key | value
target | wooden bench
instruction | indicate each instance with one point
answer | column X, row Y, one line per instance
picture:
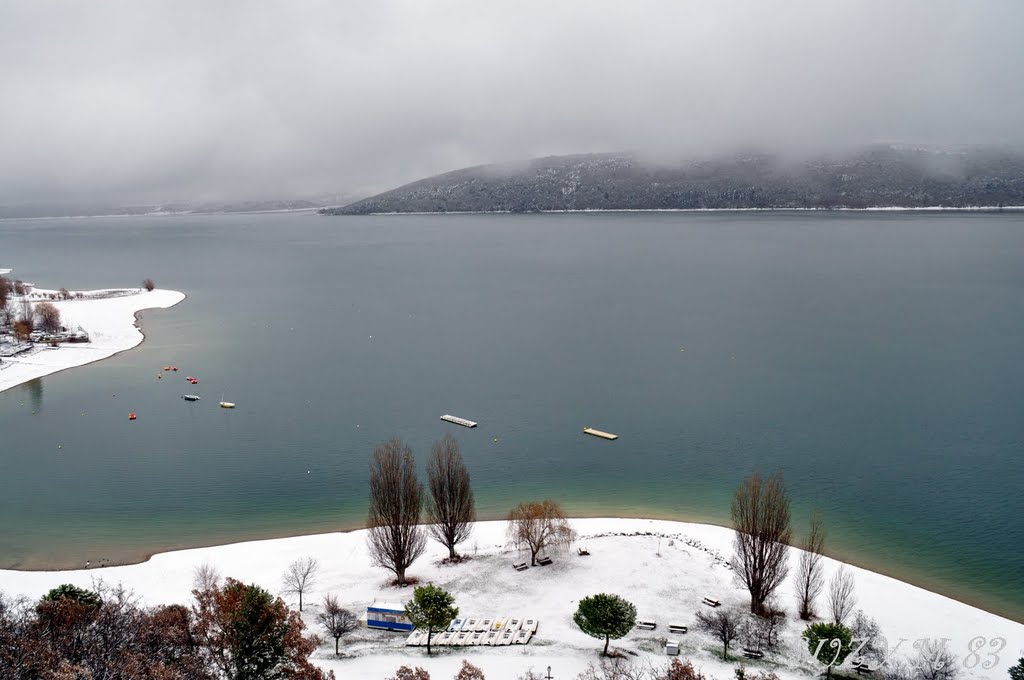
column 712, row 603
column 752, row 653
column 676, row 628
column 544, row 561
column 862, row 668
column 520, row 566
column 644, row 624
column 583, row 552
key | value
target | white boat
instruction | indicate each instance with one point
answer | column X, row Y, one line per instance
column 226, row 404
column 458, row 421
column 191, row 397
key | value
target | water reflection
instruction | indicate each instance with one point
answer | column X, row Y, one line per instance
column 34, row 388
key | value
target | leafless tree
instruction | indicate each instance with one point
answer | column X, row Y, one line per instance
column 469, row 672
column 450, row 506
column 335, row 619
column 5, row 292
column 616, row 668
column 539, row 525
column 48, row 315
column 406, row 673
column 760, row 516
column 723, row 623
column 148, row 284
column 876, row 645
column 841, row 598
column 935, row 663
column 810, row 577
column 762, row 632
column 6, row 314
column 395, row 537
column 22, row 329
column 64, row 294
column 205, row 577
column 300, row 576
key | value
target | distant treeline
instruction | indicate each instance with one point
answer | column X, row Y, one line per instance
column 879, row 176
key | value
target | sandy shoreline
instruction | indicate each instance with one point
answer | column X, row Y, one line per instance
column 664, row 567
column 111, row 325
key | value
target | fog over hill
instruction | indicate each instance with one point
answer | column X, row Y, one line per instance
column 878, row 176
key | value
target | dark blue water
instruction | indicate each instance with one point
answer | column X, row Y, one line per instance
column 874, row 359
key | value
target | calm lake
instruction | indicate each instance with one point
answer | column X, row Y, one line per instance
column 874, row 359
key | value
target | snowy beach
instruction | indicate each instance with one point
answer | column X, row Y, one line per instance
column 665, row 568
column 109, row 322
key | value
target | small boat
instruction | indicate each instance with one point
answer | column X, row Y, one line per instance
column 458, row 421
column 599, row 433
column 174, row 368
column 194, row 381
column 189, row 378
column 132, row 416
column 167, row 368
column 191, row 397
column 226, row 404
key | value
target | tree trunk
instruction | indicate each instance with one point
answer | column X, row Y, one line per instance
column 430, row 631
column 300, row 600
column 725, row 652
column 451, row 552
column 607, row 639
column 336, row 646
column 400, row 576
column 533, row 557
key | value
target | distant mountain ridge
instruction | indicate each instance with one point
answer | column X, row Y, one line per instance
column 878, row 176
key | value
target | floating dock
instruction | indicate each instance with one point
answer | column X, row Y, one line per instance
column 458, row 421
column 599, row 433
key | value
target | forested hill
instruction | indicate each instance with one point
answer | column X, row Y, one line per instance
column 881, row 176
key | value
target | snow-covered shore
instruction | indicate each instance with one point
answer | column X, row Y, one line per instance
column 665, row 568
column 109, row 321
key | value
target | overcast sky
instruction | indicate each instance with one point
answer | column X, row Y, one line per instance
column 170, row 100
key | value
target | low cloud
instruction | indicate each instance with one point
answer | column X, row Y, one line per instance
column 191, row 101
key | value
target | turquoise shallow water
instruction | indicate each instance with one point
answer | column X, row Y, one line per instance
column 874, row 359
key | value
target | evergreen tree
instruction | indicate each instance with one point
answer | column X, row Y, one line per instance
column 829, row 644
column 605, row 616
column 431, row 608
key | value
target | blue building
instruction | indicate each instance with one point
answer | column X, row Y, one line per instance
column 388, row 616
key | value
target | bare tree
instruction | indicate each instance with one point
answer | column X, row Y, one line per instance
column 762, row 632
column 451, row 510
column 469, row 672
column 148, row 284
column 22, row 329
column 935, row 663
column 810, row 577
column 841, row 598
column 724, row 624
column 205, row 577
column 5, row 291
column 760, row 516
column 395, row 538
column 300, row 576
column 335, row 619
column 539, row 525
column 406, row 673
column 48, row 315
